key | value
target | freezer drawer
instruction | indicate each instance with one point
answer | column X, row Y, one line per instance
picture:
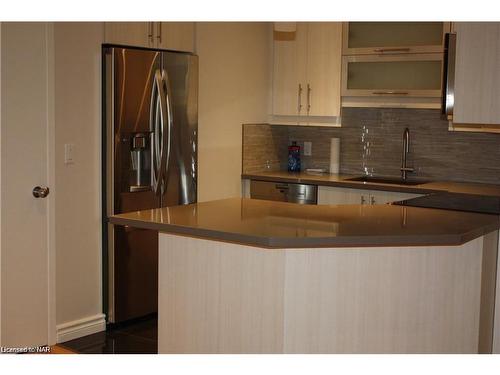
column 284, row 192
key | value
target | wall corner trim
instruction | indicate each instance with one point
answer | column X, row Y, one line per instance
column 81, row 327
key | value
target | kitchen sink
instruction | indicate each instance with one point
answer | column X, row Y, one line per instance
column 387, row 180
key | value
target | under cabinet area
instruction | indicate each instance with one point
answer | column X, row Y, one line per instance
column 306, row 69
column 325, row 194
column 340, row 195
column 177, row 36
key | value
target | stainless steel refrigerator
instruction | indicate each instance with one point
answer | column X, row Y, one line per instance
column 150, row 129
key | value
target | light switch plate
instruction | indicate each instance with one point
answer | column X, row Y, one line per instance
column 307, row 148
column 69, row 149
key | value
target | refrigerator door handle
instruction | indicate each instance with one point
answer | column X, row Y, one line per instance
column 158, row 116
column 169, row 116
column 153, row 126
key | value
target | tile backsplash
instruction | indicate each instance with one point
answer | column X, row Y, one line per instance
column 371, row 143
column 264, row 147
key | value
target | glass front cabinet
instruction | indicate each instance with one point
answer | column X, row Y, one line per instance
column 395, row 64
column 378, row 75
column 368, row 38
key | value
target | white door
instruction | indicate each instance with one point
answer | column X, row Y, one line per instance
column 26, row 132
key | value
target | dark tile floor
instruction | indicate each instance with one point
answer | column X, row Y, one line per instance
column 137, row 337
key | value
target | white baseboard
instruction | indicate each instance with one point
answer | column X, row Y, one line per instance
column 81, row 327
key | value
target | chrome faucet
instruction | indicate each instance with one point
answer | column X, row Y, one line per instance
column 406, row 149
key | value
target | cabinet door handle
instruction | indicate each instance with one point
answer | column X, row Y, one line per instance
column 372, row 200
column 299, row 98
column 393, row 50
column 158, row 32
column 390, row 92
column 308, row 98
column 363, row 199
column 150, row 33
column 449, row 75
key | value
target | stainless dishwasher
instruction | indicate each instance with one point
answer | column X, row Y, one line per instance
column 284, row 192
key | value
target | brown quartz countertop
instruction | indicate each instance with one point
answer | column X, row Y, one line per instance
column 272, row 224
column 341, row 180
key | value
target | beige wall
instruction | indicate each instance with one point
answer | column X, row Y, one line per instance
column 234, row 79
column 78, row 121
column 234, row 89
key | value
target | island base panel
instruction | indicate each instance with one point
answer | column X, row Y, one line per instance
column 219, row 297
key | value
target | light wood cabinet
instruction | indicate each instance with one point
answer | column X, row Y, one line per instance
column 289, row 71
column 306, row 70
column 477, row 74
column 138, row 34
column 340, row 195
column 324, row 43
column 384, row 197
column 177, row 36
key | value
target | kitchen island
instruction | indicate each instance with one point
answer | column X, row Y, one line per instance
column 250, row 276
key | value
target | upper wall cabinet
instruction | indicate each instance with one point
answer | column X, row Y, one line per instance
column 473, row 76
column 393, row 64
column 178, row 36
column 306, row 69
column 362, row 38
column 395, row 75
column 138, row 34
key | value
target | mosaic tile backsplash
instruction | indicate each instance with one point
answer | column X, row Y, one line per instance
column 371, row 143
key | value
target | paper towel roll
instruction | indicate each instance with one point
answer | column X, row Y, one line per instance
column 334, row 155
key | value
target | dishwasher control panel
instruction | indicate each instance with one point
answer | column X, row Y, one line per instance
column 284, row 192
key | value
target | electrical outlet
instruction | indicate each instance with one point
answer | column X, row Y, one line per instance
column 69, row 149
column 307, row 148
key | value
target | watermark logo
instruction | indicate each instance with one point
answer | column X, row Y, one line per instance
column 25, row 349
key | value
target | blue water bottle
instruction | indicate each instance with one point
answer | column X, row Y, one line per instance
column 294, row 157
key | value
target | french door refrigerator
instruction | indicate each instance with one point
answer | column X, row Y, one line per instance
column 150, row 126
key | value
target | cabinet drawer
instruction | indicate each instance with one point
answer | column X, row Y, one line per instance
column 339, row 195
column 393, row 37
column 418, row 75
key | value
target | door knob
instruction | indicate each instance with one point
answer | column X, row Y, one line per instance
column 40, row 192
